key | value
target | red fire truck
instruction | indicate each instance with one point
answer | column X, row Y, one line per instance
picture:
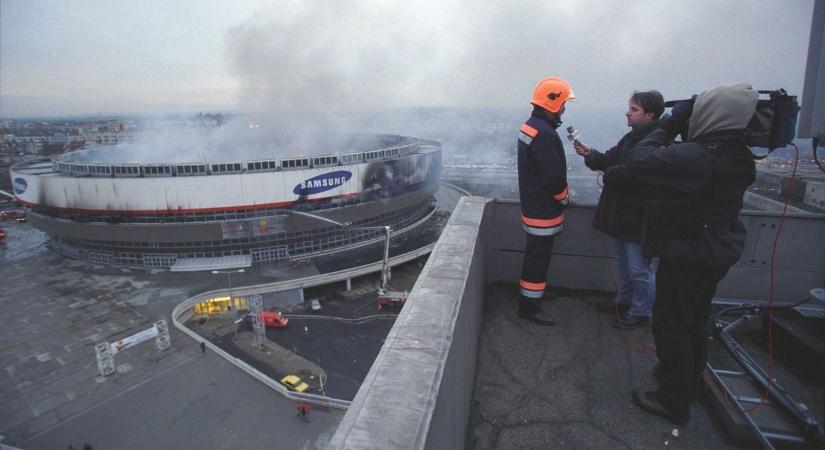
column 273, row 319
column 388, row 298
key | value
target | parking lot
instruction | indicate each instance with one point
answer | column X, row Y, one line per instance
column 344, row 347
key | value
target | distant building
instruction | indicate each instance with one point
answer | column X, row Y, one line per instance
column 103, row 206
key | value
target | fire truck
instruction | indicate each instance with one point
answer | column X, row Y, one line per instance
column 388, row 298
column 273, row 319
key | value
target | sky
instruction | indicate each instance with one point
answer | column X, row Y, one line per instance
column 71, row 57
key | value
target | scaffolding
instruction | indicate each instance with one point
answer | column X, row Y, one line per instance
column 255, row 307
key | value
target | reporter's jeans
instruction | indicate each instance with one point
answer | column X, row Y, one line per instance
column 637, row 282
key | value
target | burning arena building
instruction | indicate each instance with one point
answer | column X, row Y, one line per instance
column 228, row 198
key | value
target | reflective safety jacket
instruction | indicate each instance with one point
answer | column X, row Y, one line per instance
column 542, row 176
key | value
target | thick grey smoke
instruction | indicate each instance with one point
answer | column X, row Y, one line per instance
column 238, row 141
column 317, row 66
column 339, row 55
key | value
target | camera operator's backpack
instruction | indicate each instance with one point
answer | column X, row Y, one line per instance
column 773, row 124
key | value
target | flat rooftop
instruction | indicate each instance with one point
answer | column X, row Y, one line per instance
column 569, row 386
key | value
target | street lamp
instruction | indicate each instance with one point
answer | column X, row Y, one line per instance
column 234, row 310
column 385, row 268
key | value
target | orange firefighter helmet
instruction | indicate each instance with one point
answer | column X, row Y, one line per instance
column 551, row 93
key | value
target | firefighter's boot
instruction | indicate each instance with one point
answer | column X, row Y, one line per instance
column 531, row 310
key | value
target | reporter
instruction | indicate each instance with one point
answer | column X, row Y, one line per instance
column 620, row 211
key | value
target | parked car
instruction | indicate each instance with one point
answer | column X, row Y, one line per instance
column 315, row 305
column 294, row 383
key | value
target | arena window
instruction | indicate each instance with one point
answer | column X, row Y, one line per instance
column 292, row 163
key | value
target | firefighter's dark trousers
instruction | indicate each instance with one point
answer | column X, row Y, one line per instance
column 680, row 329
column 537, row 253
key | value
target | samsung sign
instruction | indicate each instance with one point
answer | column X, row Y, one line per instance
column 20, row 186
column 322, row 183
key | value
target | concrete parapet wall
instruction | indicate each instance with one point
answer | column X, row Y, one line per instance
column 799, row 258
column 417, row 393
column 583, row 257
column 766, row 204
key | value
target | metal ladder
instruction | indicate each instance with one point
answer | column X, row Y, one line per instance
column 809, row 431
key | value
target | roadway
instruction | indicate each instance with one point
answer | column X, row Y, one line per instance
column 201, row 402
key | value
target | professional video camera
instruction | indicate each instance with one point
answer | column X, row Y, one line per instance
column 773, row 124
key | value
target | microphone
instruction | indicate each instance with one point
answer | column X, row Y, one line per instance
column 573, row 135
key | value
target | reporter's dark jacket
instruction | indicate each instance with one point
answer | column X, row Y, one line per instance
column 542, row 176
column 699, row 185
column 622, row 207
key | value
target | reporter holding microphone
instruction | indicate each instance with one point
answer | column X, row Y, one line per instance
column 621, row 209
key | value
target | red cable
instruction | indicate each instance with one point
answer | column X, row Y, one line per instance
column 773, row 283
column 628, row 342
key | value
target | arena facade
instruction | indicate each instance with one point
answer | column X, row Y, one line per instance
column 108, row 207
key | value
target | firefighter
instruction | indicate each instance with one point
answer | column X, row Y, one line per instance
column 692, row 225
column 542, row 180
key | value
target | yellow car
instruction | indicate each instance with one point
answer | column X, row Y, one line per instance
column 294, row 383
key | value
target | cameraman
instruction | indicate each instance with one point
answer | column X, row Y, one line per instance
column 692, row 225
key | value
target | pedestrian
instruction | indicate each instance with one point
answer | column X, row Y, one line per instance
column 303, row 412
column 693, row 227
column 307, row 411
column 542, row 180
column 621, row 209
column 203, row 347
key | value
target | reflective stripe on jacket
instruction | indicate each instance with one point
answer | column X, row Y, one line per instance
column 531, row 290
